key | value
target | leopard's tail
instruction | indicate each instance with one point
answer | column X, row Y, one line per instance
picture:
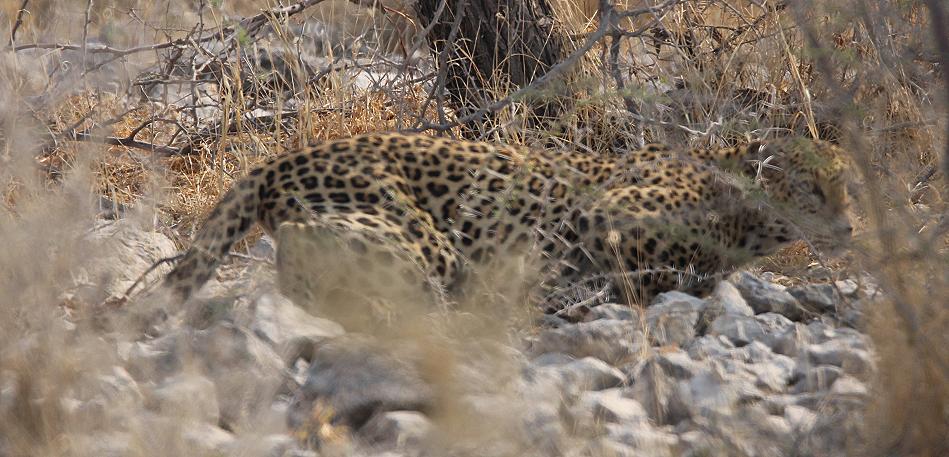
column 228, row 222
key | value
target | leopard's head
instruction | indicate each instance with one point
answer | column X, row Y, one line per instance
column 807, row 182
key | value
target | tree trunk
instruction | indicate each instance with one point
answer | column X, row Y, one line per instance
column 486, row 44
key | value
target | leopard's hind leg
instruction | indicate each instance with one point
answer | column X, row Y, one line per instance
column 359, row 269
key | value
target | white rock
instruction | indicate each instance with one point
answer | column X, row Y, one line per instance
column 109, row 397
column 775, row 403
column 790, row 341
column 263, row 248
column 820, row 332
column 580, row 375
column 731, row 299
column 104, row 444
column 286, row 326
column 549, row 359
column 613, row 311
column 592, row 374
column 771, row 370
column 672, row 318
column 766, row 297
column 678, row 364
column 853, row 314
column 748, row 430
column 813, row 401
column 755, row 352
column 710, row 347
column 773, row 324
column 815, row 379
column 397, row 429
column 699, row 443
column 644, row 440
column 849, row 386
column 725, row 299
column 712, row 393
column 620, row 410
column 187, row 396
column 741, row 330
column 156, row 358
column 359, row 378
column 655, row 385
column 847, row 287
column 207, row 439
column 610, row 406
column 819, row 298
column 613, row 341
column 129, row 251
column 273, row 445
column 778, row 425
column 544, row 428
column 607, row 446
column 842, row 352
column 655, row 391
column 246, row 371
column 773, row 376
column 800, row 418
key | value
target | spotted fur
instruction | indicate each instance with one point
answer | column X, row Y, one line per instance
column 654, row 220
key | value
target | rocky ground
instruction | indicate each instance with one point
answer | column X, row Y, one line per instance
column 755, row 369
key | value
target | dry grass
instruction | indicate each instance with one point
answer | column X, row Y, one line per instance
column 864, row 72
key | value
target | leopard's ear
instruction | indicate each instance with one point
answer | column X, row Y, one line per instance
column 761, row 150
column 764, row 160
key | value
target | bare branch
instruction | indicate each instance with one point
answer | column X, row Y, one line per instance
column 141, row 277
column 19, row 21
column 941, row 34
column 248, row 25
column 85, row 31
column 605, row 28
column 127, row 142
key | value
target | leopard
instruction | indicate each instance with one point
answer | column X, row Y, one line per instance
column 651, row 220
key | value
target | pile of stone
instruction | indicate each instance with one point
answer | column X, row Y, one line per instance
column 754, row 369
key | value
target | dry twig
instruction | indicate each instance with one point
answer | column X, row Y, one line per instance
column 19, row 21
